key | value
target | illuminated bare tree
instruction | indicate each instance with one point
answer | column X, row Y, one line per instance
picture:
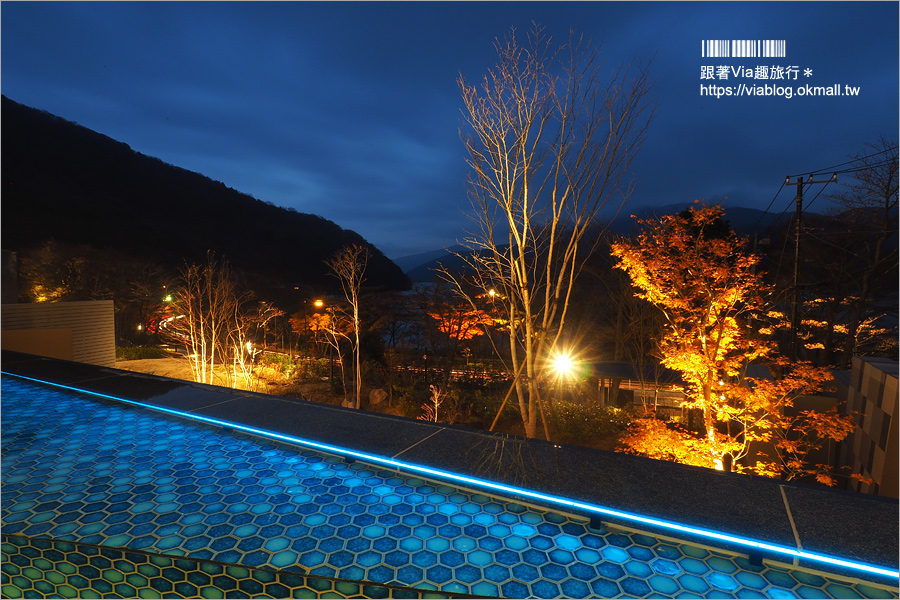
column 202, row 305
column 246, row 318
column 214, row 320
column 551, row 137
column 349, row 266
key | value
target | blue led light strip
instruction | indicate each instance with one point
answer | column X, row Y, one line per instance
column 500, row 487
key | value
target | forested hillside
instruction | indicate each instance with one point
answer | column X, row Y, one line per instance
column 71, row 184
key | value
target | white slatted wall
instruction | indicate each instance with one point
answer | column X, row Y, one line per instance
column 92, row 324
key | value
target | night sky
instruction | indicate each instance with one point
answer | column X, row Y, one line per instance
column 351, row 111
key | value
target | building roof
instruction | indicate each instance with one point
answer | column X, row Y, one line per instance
column 628, row 370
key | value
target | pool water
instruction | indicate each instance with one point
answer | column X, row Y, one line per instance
column 111, row 476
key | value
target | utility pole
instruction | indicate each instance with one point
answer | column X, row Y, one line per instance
column 796, row 295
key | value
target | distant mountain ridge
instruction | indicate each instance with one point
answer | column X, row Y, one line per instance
column 64, row 181
column 745, row 221
column 414, row 260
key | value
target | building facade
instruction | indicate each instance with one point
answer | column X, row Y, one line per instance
column 872, row 450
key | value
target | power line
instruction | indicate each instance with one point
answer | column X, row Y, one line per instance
column 831, row 168
column 765, row 212
column 834, row 169
column 823, row 170
column 867, row 167
column 843, row 249
column 821, row 189
column 854, row 232
column 796, row 300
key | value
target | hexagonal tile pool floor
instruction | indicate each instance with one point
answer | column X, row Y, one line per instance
column 93, row 478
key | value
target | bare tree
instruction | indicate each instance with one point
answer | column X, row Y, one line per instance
column 552, row 135
column 334, row 330
column 246, row 318
column 215, row 320
column 869, row 205
column 349, row 266
column 202, row 306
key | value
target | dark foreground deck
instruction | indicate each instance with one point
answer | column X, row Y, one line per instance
column 755, row 516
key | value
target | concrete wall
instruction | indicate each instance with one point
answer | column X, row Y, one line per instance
column 872, row 450
column 79, row 331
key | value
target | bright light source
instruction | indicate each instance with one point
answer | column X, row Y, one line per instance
column 563, row 365
column 319, row 303
column 168, row 298
column 492, row 293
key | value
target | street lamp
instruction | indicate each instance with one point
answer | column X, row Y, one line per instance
column 563, row 365
column 319, row 304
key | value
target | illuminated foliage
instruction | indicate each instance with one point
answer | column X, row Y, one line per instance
column 695, row 270
column 448, row 324
column 460, row 321
column 869, row 209
column 311, row 325
column 653, row 438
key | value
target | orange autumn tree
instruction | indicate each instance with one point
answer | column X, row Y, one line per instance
column 311, row 327
column 452, row 321
column 460, row 321
column 695, row 270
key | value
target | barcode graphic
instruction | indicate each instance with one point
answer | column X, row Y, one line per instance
column 742, row 48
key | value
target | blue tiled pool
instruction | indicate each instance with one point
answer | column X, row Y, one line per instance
column 88, row 482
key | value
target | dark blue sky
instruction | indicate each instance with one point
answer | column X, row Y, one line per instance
column 351, row 111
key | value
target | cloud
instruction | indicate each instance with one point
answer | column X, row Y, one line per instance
column 351, row 111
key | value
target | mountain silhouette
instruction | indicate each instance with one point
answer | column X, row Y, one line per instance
column 69, row 183
column 746, row 222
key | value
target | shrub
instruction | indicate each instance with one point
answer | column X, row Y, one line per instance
column 408, row 397
column 139, row 352
column 315, row 369
column 578, row 423
column 281, row 364
column 374, row 374
column 277, row 366
column 479, row 406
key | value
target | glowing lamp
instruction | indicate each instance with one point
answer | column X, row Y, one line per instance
column 563, row 365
